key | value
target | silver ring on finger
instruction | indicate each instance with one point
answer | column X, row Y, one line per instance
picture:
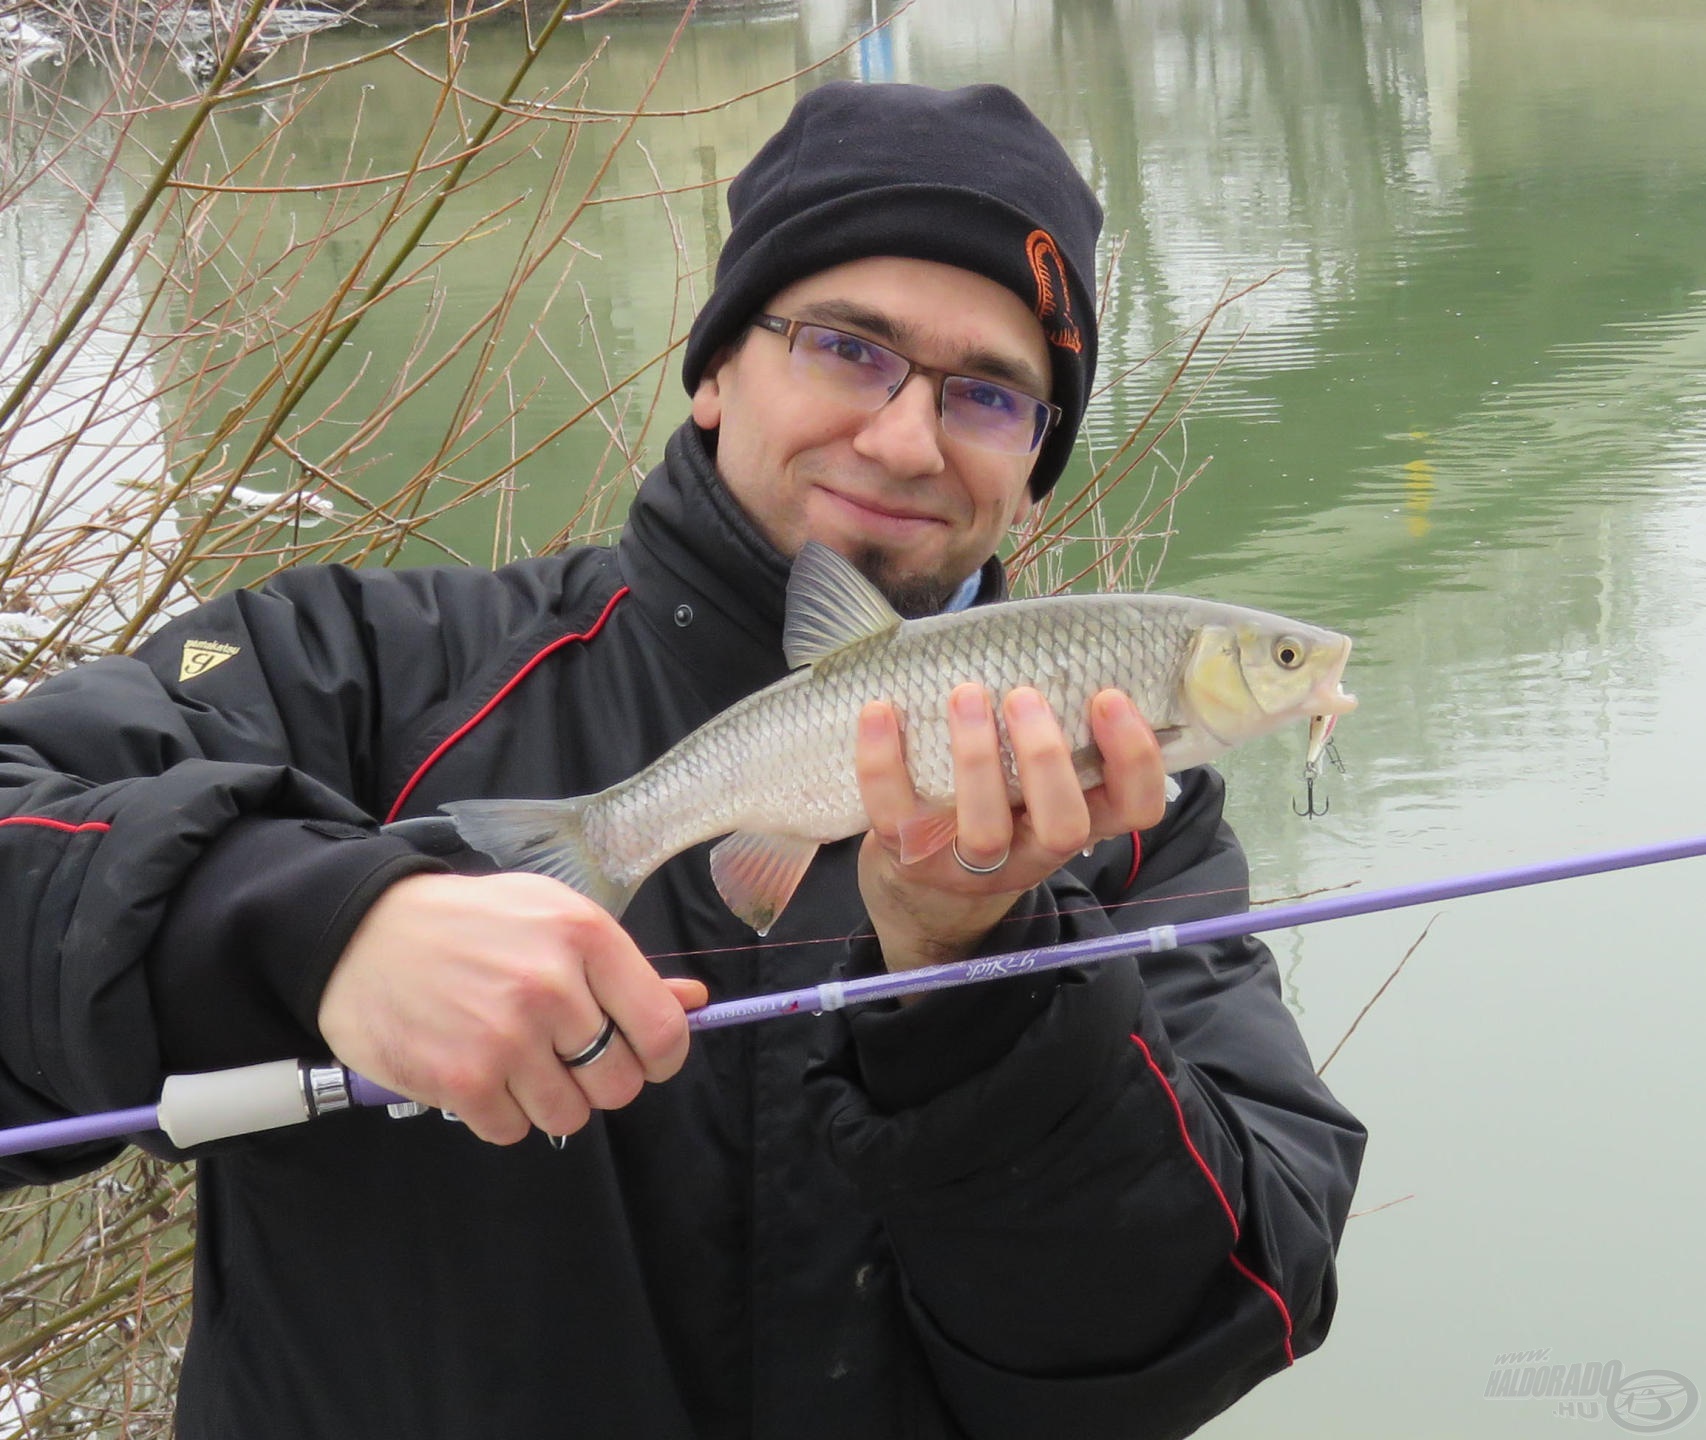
column 969, row 868
column 600, row 1043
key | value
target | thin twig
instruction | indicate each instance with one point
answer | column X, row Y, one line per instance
column 1376, row 1209
column 1397, row 970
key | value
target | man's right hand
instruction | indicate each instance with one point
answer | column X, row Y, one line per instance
column 463, row 992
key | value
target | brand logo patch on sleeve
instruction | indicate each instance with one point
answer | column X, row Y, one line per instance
column 200, row 656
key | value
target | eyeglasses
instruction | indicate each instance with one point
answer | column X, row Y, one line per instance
column 862, row 373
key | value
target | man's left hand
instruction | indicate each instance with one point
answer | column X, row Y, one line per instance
column 935, row 909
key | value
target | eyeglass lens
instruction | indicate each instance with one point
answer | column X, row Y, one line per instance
column 866, row 374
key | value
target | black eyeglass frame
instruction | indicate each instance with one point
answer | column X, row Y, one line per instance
column 790, row 329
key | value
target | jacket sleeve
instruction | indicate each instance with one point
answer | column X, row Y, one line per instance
column 1114, row 1192
column 187, row 841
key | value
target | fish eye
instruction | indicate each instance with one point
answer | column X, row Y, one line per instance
column 1289, row 652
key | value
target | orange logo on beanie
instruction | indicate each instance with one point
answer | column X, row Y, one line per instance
column 1054, row 299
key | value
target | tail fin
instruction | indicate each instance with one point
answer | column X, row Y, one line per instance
column 548, row 836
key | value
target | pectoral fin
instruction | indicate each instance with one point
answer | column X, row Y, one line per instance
column 1088, row 764
column 757, row 874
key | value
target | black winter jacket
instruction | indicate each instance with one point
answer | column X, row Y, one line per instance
column 1097, row 1203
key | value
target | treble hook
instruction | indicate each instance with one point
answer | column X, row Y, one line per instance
column 1309, row 812
column 1312, row 773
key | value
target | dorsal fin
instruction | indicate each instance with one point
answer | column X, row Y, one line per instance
column 830, row 606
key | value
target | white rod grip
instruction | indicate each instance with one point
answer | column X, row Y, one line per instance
column 197, row 1108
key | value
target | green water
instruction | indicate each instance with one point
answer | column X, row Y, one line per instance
column 1464, row 421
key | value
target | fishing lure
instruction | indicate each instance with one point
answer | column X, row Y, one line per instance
column 1321, row 747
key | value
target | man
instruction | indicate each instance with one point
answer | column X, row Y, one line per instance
column 1094, row 1203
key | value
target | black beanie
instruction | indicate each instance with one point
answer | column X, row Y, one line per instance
column 968, row 177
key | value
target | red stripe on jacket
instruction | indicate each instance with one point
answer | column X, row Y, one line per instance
column 1220, row 1195
column 99, row 826
column 503, row 694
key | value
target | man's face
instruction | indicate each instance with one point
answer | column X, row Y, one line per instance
column 916, row 509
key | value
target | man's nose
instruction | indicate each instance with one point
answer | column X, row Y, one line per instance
column 906, row 434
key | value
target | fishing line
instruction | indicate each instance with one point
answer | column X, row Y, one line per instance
column 1110, row 907
column 437, row 835
column 194, row 1109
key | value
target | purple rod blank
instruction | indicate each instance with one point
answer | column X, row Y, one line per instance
column 836, row 994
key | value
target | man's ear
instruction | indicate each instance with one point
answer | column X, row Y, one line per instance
column 707, row 405
column 1023, row 507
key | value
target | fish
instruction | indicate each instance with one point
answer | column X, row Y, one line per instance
column 774, row 772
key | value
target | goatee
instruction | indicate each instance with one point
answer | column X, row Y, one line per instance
column 912, row 596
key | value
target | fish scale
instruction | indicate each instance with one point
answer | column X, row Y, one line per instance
column 775, row 771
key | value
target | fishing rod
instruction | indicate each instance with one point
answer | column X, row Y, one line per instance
column 195, row 1109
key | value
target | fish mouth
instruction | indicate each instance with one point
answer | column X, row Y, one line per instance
column 1330, row 699
column 1332, row 704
